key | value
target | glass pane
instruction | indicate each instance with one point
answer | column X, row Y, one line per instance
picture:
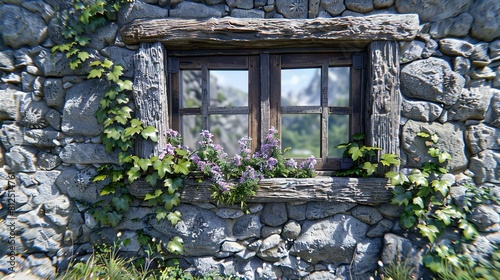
column 228, row 88
column 338, row 133
column 301, row 133
column 227, row 130
column 190, row 130
column 301, row 87
column 191, row 89
column 338, row 86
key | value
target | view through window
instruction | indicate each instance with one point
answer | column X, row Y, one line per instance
column 313, row 99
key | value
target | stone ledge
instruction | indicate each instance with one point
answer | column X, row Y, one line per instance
column 367, row 191
column 270, row 33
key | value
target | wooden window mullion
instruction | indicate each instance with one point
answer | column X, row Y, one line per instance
column 324, row 112
column 205, row 99
column 254, row 112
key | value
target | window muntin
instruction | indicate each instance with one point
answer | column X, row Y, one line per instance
column 332, row 111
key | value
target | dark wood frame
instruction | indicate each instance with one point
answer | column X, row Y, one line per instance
column 264, row 97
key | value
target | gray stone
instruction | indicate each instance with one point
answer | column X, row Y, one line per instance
column 140, row 10
column 480, row 73
column 360, row 6
column 104, row 36
column 12, row 135
column 451, row 140
column 381, row 228
column 421, row 110
column 471, row 104
column 455, row 47
column 194, row 10
column 411, row 51
column 27, row 81
column 293, row 268
column 255, row 207
column 82, row 102
column 57, row 65
column 431, row 79
column 296, row 212
column 484, row 217
column 320, row 210
column 398, row 249
column 246, row 254
column 461, row 25
column 313, row 8
column 332, row 239
column 9, row 103
column 43, row 138
column 19, row 27
column 382, row 4
column 493, row 114
column 201, row 230
column 7, row 61
column 41, row 266
column 240, row 13
column 482, row 137
column 33, row 113
column 54, row 93
column 291, row 230
column 33, row 218
column 87, row 153
column 54, row 118
column 486, row 24
column 494, row 48
column 122, row 57
column 486, row 167
column 274, row 214
column 367, row 255
column 46, row 192
column 333, row 7
column 23, row 58
column 267, row 231
column 78, row 185
column 244, row 4
column 461, row 65
column 366, row 214
column 21, row 159
column 232, row 247
column 272, row 249
column 479, row 56
column 246, row 227
column 229, row 213
column 432, row 11
column 293, row 9
column 40, row 7
column 37, row 242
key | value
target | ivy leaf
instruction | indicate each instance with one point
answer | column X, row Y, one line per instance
column 418, row 201
column 358, row 137
column 144, row 163
column 120, row 203
column 418, row 178
column 441, row 186
column 133, row 173
column 163, row 166
column 115, row 74
column 73, row 64
column 390, row 159
column 135, row 123
column 161, row 214
column 174, row 217
column 107, row 190
column 423, row 134
column 151, row 179
column 433, row 263
column 150, row 132
column 429, row 231
column 113, row 218
column 397, row 178
column 401, row 196
column 95, row 73
column 355, row 153
column 434, row 138
column 83, row 56
column 442, row 216
column 125, row 85
column 100, row 177
column 154, row 195
column 182, row 166
column 129, row 131
column 170, row 201
column 175, row 246
column 107, row 63
column 370, row 168
column 468, row 231
column 444, row 156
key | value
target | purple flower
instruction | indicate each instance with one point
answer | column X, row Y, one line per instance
column 308, row 163
column 271, row 163
column 171, row 133
column 291, row 163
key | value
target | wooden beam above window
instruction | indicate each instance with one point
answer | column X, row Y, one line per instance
column 223, row 33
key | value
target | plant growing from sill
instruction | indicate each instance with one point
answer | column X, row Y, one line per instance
column 365, row 161
column 236, row 179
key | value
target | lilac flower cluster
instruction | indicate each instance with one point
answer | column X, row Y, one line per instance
column 174, row 141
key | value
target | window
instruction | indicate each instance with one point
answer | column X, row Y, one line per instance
column 313, row 99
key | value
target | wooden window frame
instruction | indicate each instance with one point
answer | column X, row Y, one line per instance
column 264, row 98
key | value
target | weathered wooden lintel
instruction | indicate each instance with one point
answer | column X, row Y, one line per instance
column 270, row 33
column 367, row 191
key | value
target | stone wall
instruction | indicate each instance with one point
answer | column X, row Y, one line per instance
column 50, row 145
